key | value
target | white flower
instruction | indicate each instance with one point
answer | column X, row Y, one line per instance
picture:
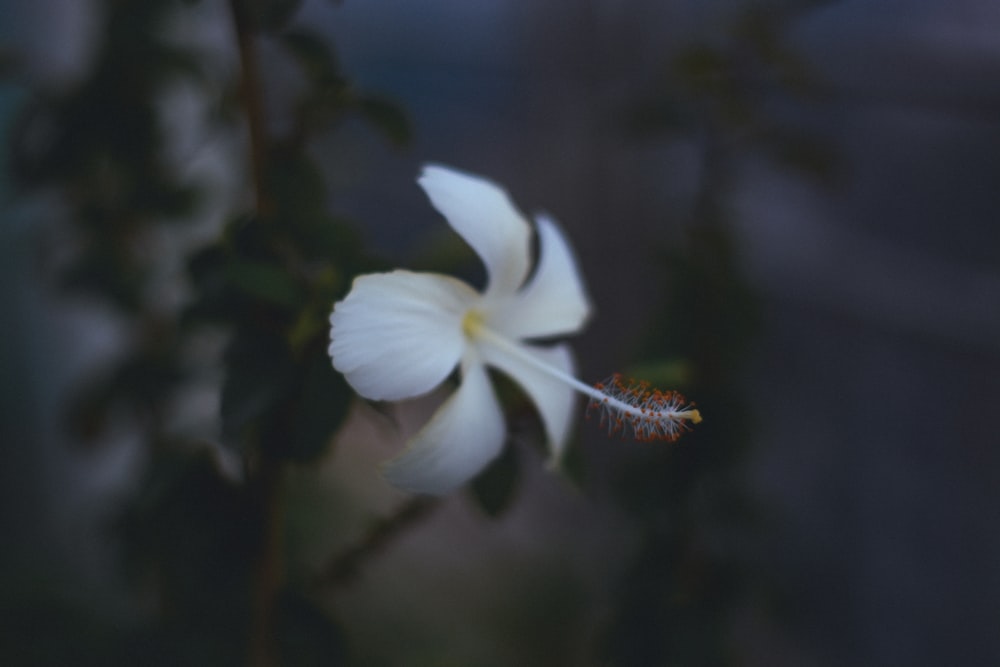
column 399, row 335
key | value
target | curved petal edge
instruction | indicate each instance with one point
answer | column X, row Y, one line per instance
column 483, row 214
column 554, row 302
column 463, row 436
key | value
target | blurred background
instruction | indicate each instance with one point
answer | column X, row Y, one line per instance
column 787, row 210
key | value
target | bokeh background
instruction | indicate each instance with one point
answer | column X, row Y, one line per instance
column 788, row 210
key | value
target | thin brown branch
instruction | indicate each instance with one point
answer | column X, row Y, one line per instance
column 253, row 102
column 267, row 474
column 269, row 568
column 346, row 565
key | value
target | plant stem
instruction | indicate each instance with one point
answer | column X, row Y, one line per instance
column 265, row 472
column 344, row 567
column 250, row 92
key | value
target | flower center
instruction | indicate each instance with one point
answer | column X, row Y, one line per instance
column 624, row 405
column 472, row 324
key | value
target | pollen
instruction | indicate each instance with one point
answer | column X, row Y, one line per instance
column 635, row 407
column 472, row 323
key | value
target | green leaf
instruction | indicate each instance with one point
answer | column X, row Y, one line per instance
column 662, row 373
column 272, row 16
column 493, row 489
column 318, row 411
column 265, row 282
column 314, row 55
column 330, row 239
column 804, row 153
column 298, row 188
column 387, row 117
column 305, row 634
column 198, row 533
column 259, row 372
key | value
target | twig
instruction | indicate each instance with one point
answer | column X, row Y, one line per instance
column 253, row 103
column 266, row 474
column 345, row 566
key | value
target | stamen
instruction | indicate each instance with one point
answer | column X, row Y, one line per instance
column 647, row 413
column 624, row 405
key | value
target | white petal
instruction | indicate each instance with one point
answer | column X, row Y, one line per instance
column 398, row 335
column 554, row 399
column 462, row 437
column 483, row 214
column 553, row 303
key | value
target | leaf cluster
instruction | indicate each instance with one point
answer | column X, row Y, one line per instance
column 266, row 285
column 695, row 566
column 738, row 83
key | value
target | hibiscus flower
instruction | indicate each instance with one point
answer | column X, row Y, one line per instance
column 400, row 334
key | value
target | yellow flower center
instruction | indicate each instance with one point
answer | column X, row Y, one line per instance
column 472, row 323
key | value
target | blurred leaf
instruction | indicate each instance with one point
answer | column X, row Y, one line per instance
column 265, row 282
column 88, row 412
column 251, row 236
column 314, row 55
column 662, row 372
column 762, row 29
column 330, row 239
column 42, row 630
column 313, row 322
column 259, row 372
column 387, row 117
column 306, row 635
column 197, row 534
column 702, row 69
column 212, row 302
column 206, row 266
column 494, row 489
column 271, row 16
column 139, row 382
column 804, row 153
column 297, row 186
column 317, row 412
column 102, row 271
column 661, row 114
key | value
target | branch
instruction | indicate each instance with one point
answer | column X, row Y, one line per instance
column 250, row 93
column 344, row 567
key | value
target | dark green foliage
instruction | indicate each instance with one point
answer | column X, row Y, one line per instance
column 691, row 573
column 330, row 97
column 495, row 488
column 270, row 16
column 733, row 86
column 203, row 532
column 316, row 58
column 102, row 144
column 137, row 385
column 386, row 116
column 321, row 406
column 306, row 635
column 206, row 547
column 259, row 374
